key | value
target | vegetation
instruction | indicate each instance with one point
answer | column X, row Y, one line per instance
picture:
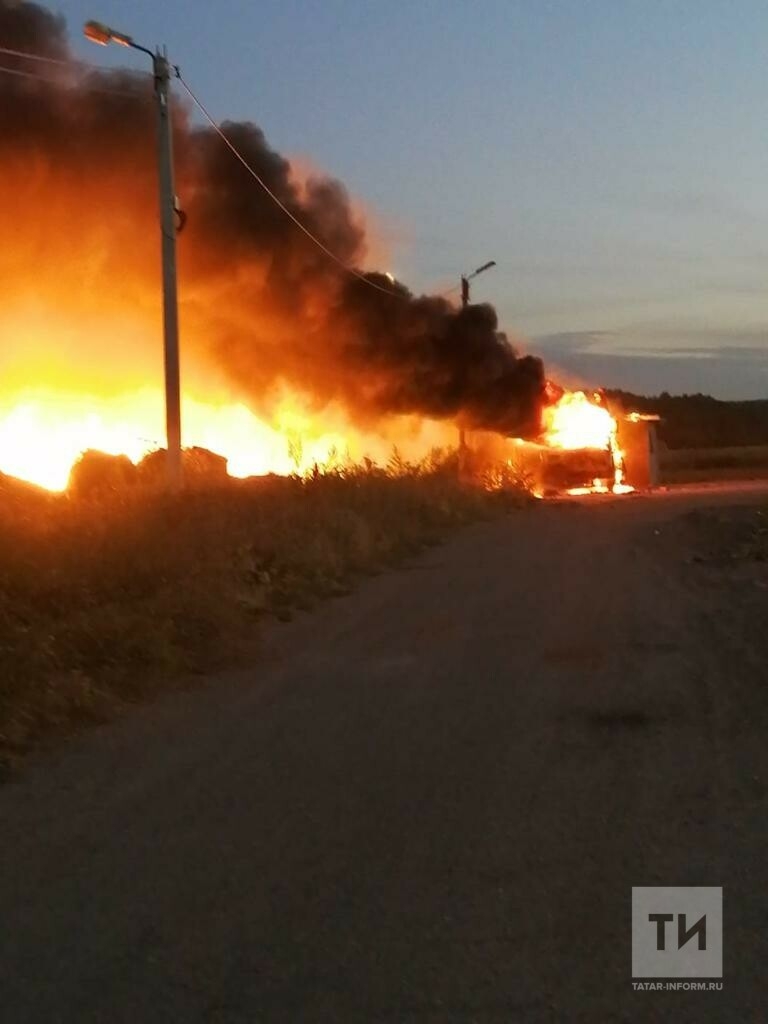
column 106, row 597
column 700, row 421
column 687, row 465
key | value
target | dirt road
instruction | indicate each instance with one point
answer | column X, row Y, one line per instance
column 429, row 803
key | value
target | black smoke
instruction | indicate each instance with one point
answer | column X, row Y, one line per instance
column 265, row 302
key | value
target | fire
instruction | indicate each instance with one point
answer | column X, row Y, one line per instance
column 43, row 431
column 576, row 421
column 286, row 360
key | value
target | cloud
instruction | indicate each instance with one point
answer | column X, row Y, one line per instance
column 725, row 364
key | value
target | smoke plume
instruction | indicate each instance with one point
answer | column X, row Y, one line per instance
column 77, row 159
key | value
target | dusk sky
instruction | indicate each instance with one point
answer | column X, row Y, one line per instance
column 611, row 157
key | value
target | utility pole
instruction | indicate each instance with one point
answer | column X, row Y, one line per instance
column 462, row 434
column 168, row 251
column 465, row 279
column 103, row 35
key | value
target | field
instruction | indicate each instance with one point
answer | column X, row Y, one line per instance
column 105, row 599
column 689, row 465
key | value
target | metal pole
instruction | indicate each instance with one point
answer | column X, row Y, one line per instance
column 465, row 279
column 462, row 434
column 170, row 300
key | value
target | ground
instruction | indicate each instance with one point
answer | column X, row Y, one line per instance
column 430, row 799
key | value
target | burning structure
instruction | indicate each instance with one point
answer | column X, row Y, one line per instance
column 638, row 437
column 587, row 448
column 584, row 447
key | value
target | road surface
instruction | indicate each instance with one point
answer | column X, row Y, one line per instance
column 427, row 803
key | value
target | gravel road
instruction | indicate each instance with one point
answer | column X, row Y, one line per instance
column 428, row 802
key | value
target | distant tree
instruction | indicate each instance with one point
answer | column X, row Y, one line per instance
column 701, row 421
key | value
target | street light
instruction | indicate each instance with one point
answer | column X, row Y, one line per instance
column 465, row 279
column 103, row 35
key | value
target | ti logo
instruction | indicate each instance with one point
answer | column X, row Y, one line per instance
column 684, row 933
column 677, row 932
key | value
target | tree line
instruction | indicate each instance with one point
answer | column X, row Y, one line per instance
column 701, row 421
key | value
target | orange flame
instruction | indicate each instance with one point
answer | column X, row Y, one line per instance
column 576, row 421
column 98, row 385
column 44, row 431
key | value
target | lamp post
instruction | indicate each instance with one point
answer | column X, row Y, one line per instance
column 465, row 279
column 103, row 35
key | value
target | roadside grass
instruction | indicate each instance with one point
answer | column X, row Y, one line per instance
column 694, row 465
column 714, row 474
column 109, row 599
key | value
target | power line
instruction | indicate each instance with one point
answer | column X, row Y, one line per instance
column 25, row 74
column 24, row 54
column 19, row 73
column 33, row 56
column 275, row 199
column 82, row 65
column 61, row 61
